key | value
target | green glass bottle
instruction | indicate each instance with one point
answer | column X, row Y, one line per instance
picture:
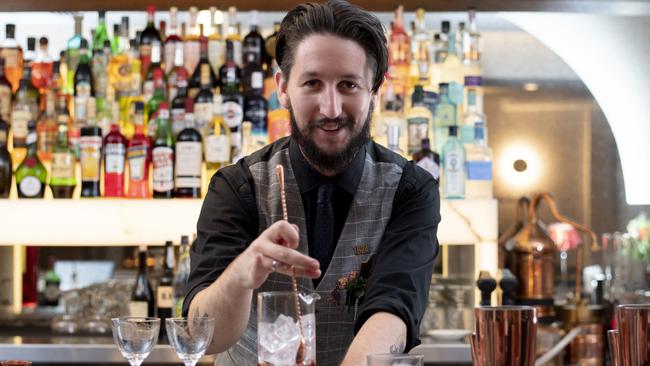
column 62, row 180
column 31, row 175
column 101, row 34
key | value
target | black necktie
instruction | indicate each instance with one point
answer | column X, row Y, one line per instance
column 323, row 240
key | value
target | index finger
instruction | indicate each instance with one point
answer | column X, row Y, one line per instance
column 283, row 233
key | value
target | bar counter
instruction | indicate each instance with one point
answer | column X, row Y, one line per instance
column 101, row 350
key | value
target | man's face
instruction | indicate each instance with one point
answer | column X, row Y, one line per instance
column 330, row 99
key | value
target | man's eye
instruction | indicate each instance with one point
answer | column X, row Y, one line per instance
column 311, row 83
column 349, row 85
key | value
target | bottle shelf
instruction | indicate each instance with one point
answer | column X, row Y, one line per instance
column 118, row 222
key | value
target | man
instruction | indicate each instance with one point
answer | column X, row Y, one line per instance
column 351, row 203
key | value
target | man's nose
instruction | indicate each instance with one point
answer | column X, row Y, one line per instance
column 330, row 102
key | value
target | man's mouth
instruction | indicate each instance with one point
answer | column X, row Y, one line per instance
column 331, row 126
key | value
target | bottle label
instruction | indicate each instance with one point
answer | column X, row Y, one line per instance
column 114, row 158
column 232, row 114
column 418, row 129
column 81, row 108
column 11, row 57
column 30, row 186
column 202, row 114
column 90, row 152
column 479, row 170
column 5, row 102
column 191, row 55
column 188, row 160
column 164, row 297
column 445, row 115
column 3, row 137
column 83, row 89
column 178, row 120
column 169, row 49
column 62, row 165
column 430, row 166
column 137, row 156
column 19, row 122
column 453, row 174
column 139, row 308
column 163, row 168
column 217, row 149
column 147, row 90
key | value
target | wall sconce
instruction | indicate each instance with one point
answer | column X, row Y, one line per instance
column 519, row 166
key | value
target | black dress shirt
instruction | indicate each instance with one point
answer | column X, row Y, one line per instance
column 403, row 264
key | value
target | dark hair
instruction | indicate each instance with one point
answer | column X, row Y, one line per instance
column 339, row 18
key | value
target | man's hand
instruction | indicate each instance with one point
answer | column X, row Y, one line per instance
column 381, row 333
column 277, row 243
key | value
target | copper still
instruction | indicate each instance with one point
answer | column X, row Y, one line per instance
column 535, row 254
column 630, row 344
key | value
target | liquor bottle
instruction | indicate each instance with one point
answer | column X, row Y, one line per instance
column 124, row 38
column 445, row 116
column 427, row 159
column 101, row 33
column 30, row 277
column 191, row 46
column 52, row 282
column 471, row 117
column 180, row 100
column 453, row 166
column 177, row 77
column 399, row 59
column 181, row 277
column 84, row 86
column 421, row 49
column 73, row 53
column 217, row 140
column 172, row 42
column 142, row 301
column 163, row 156
column 270, row 64
column 256, row 110
column 279, row 124
column 395, row 125
column 189, row 158
column 252, row 67
column 25, row 109
column 216, row 44
column 114, row 159
column 100, row 61
column 230, row 79
column 479, row 165
column 63, row 180
column 234, row 35
column 115, row 41
column 165, row 288
column 138, row 156
column 472, row 40
column 12, row 53
column 6, row 167
column 452, row 71
column 203, row 99
column 90, row 159
column 418, row 120
column 158, row 97
column 46, row 128
column 31, row 176
column 42, row 66
column 148, row 84
column 196, row 81
column 253, row 45
column 146, row 40
column 5, row 93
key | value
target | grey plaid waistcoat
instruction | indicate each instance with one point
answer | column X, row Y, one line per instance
column 365, row 225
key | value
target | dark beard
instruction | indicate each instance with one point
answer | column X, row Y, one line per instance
column 326, row 162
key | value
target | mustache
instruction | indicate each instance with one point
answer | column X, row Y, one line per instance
column 342, row 121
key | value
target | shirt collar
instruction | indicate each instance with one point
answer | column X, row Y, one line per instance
column 308, row 178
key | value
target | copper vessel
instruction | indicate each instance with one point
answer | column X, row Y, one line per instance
column 504, row 336
column 535, row 252
column 630, row 345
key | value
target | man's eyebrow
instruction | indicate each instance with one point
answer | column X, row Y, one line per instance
column 316, row 74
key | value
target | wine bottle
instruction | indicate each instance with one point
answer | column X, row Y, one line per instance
column 163, row 156
column 5, row 161
column 182, row 275
column 31, row 175
column 189, row 156
column 142, row 297
column 164, row 290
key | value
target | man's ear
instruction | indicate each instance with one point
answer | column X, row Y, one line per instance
column 282, row 83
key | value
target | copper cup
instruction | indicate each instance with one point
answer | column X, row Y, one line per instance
column 505, row 336
column 633, row 334
column 614, row 347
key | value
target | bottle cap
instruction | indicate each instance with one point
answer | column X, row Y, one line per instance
column 453, row 130
column 43, row 41
column 10, row 30
column 31, row 43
